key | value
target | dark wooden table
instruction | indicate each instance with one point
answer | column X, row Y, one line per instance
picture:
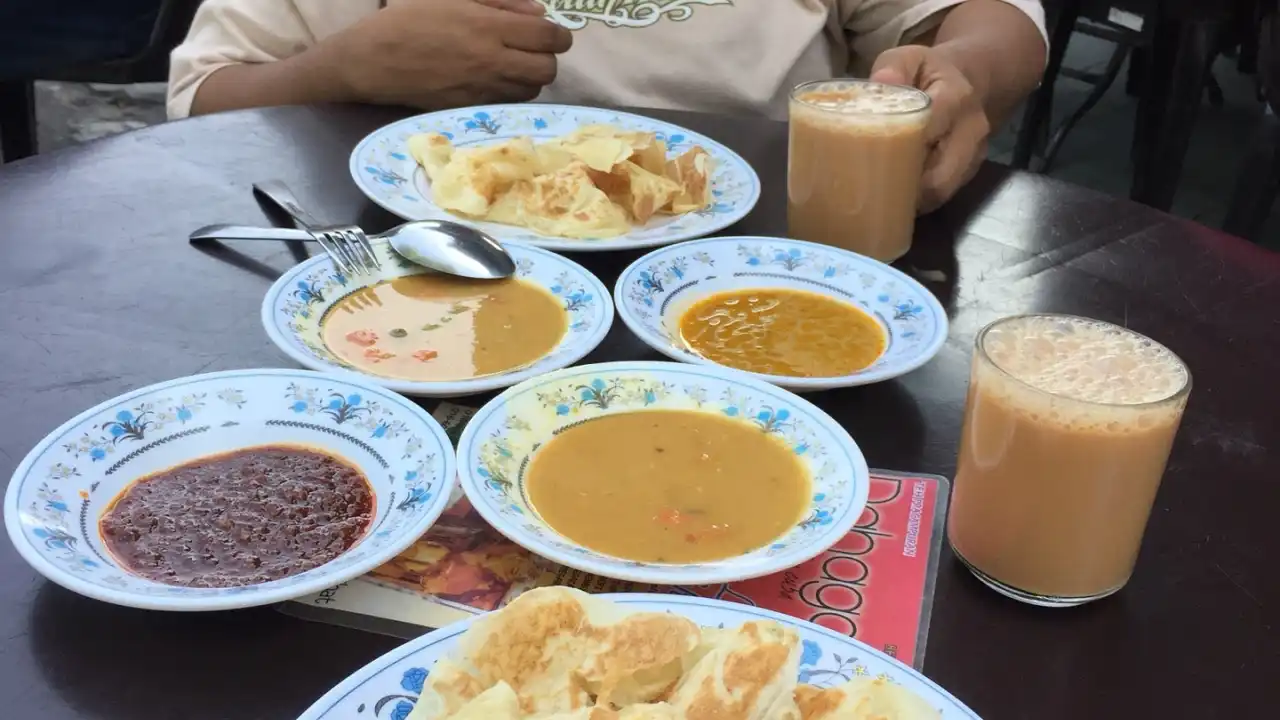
column 100, row 293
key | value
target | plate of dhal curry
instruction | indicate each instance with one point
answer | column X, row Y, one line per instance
column 796, row 314
column 557, row 176
column 423, row 333
column 662, row 473
column 561, row 654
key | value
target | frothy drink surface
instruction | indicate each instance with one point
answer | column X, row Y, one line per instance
column 1085, row 360
column 856, row 156
column 863, row 99
column 1067, row 431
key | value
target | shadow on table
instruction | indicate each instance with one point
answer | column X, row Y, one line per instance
column 231, row 253
column 227, row 254
column 932, row 260
column 122, row 664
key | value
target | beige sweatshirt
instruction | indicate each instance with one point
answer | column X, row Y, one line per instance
column 729, row 56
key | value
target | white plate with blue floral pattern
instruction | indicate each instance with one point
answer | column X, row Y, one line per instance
column 497, row 443
column 387, row 688
column 295, row 306
column 654, row 291
column 59, row 492
column 384, row 171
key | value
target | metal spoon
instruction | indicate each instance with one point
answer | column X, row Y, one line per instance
column 448, row 247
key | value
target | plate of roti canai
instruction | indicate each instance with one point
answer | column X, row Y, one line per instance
column 560, row 654
column 557, row 176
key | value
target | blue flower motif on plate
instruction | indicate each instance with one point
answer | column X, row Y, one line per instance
column 413, row 679
column 65, row 484
column 505, row 433
column 401, row 710
column 653, row 292
column 296, row 305
column 482, row 122
column 387, row 175
column 140, row 422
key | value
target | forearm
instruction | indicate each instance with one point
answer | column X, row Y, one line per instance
column 313, row 76
column 999, row 50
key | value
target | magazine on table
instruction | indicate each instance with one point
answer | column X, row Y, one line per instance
column 876, row 584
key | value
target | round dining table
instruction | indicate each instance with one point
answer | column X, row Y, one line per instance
column 101, row 292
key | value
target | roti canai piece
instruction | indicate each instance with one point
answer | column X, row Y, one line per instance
column 564, row 203
column 497, row 703
column 599, row 146
column 747, row 673
column 603, row 147
column 649, row 711
column 561, row 650
column 432, row 151
column 596, row 182
column 638, row 191
column 629, row 166
column 692, row 172
column 863, row 699
column 560, row 654
column 472, row 179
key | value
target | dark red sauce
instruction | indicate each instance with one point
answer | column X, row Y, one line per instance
column 241, row 518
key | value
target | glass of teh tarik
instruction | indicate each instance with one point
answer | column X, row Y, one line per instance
column 1067, row 431
column 857, row 152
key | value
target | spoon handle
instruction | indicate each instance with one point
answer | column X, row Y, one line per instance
column 248, row 232
column 279, row 194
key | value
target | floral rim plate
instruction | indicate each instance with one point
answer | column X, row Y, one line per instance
column 387, row 688
column 384, row 171
column 61, row 488
column 654, row 291
column 296, row 304
column 505, row 433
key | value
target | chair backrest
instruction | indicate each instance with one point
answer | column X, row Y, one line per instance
column 151, row 64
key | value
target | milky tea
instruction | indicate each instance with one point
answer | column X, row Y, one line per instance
column 1066, row 434
column 856, row 155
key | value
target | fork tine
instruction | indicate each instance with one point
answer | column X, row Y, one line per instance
column 339, row 239
column 367, row 247
column 358, row 244
column 354, row 251
column 334, row 254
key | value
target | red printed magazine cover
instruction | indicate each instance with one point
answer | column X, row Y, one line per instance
column 875, row 585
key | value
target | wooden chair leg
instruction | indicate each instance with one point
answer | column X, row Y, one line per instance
column 1039, row 112
column 1257, row 184
column 17, row 120
column 1182, row 51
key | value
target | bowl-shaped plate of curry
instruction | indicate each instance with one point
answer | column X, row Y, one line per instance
column 426, row 334
column 663, row 473
column 799, row 315
column 229, row 490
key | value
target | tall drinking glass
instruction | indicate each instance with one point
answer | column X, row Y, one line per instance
column 1067, row 430
column 856, row 156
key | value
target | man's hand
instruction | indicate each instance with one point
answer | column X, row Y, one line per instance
column 958, row 125
column 436, row 54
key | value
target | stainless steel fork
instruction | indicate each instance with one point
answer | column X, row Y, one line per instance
column 347, row 245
